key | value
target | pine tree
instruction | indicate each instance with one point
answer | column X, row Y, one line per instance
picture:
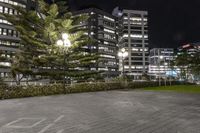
column 39, row 55
column 183, row 62
column 189, row 63
column 195, row 65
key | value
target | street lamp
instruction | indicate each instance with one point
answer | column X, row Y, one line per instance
column 123, row 54
column 166, row 69
column 65, row 42
column 160, row 58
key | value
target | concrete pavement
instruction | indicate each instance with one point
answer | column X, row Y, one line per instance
column 103, row 112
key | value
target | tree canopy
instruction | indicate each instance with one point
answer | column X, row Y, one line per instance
column 189, row 63
column 39, row 55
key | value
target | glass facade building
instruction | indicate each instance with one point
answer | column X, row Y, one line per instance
column 9, row 37
column 134, row 38
column 101, row 27
column 159, row 61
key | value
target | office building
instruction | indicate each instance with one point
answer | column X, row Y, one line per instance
column 101, row 27
column 133, row 36
column 159, row 62
column 9, row 37
column 190, row 48
column 128, row 30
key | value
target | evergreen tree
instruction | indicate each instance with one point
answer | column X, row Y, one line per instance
column 188, row 63
column 195, row 64
column 183, row 62
column 39, row 55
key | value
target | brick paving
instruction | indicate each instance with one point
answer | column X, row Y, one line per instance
column 103, row 112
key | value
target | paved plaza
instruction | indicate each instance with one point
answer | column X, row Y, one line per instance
column 103, row 112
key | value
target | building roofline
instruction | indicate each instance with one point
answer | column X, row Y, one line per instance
column 162, row 48
column 93, row 10
column 135, row 11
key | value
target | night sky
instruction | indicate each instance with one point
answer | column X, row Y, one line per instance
column 171, row 22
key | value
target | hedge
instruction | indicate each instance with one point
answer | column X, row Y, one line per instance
column 8, row 92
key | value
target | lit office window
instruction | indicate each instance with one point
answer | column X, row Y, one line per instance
column 108, row 36
column 135, row 49
column 8, row 64
column 145, row 19
column 10, row 11
column 136, row 19
column 4, row 21
column 108, row 30
column 125, row 35
column 108, row 18
column 108, row 56
column 136, row 36
column 1, row 9
column 5, row 10
column 106, row 49
column 4, row 32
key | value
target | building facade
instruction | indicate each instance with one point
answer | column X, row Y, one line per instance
column 159, row 62
column 134, row 38
column 101, row 27
column 9, row 37
column 190, row 48
column 128, row 30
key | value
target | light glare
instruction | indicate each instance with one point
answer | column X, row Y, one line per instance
column 65, row 36
column 59, row 42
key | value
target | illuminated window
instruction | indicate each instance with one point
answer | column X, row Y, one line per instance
column 135, row 49
column 145, row 36
column 106, row 43
column 108, row 18
column 110, row 37
column 1, row 9
column 5, row 10
column 125, row 35
column 136, row 36
column 13, row 3
column 108, row 56
column 108, row 30
column 4, row 21
column 136, row 19
column 5, row 64
column 145, row 19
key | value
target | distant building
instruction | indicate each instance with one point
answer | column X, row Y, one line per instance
column 9, row 37
column 159, row 62
column 190, row 48
column 124, row 29
column 102, row 27
column 133, row 36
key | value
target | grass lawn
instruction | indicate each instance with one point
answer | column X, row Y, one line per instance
column 177, row 88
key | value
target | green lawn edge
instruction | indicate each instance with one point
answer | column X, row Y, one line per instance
column 176, row 88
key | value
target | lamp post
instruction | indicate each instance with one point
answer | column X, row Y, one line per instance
column 65, row 43
column 123, row 54
column 170, row 72
column 160, row 58
column 165, row 68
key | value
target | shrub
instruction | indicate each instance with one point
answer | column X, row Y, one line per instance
column 8, row 92
column 137, row 85
column 90, row 87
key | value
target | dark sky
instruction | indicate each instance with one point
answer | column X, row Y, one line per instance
column 171, row 22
